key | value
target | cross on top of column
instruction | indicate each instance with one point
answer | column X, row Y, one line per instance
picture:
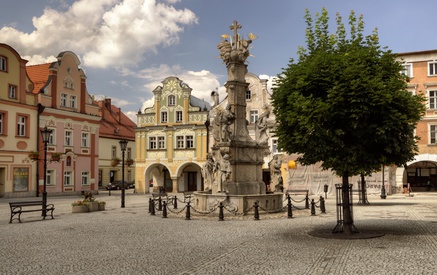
column 235, row 26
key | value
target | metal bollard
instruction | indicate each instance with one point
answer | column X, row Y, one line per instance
column 164, row 210
column 221, row 216
column 307, row 202
column 153, row 208
column 289, row 205
column 175, row 202
column 150, row 205
column 256, row 211
column 159, row 204
column 313, row 208
column 187, row 214
column 322, row 205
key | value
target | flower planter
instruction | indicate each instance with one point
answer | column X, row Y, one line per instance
column 115, row 162
column 55, row 157
column 102, row 206
column 34, row 156
column 79, row 209
column 93, row 206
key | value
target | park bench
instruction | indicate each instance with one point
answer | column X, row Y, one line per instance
column 20, row 207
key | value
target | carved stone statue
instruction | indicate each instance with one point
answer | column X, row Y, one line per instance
column 276, row 181
column 224, row 171
column 208, row 172
column 261, row 135
column 227, row 118
column 238, row 49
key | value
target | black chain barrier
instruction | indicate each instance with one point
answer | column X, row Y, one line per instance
column 158, row 204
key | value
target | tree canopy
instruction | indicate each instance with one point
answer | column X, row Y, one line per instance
column 345, row 102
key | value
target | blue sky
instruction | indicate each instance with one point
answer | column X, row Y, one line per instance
column 127, row 47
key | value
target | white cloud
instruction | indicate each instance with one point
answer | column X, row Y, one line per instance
column 104, row 33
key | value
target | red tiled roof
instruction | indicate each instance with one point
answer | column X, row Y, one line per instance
column 114, row 123
column 39, row 74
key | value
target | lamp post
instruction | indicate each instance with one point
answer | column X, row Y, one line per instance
column 123, row 144
column 45, row 133
column 383, row 194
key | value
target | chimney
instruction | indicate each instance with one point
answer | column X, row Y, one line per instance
column 108, row 103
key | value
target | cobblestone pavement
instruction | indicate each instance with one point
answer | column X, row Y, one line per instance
column 131, row 241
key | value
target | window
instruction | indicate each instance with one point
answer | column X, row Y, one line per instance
column 190, row 141
column 21, row 126
column 2, row 122
column 85, row 178
column 180, row 142
column 432, row 68
column 274, row 145
column 68, row 138
column 85, row 139
column 163, row 117
column 52, row 136
column 408, row 70
column 433, row 132
column 50, row 179
column 253, row 116
column 64, row 100
column 161, row 143
column 67, row 178
column 152, row 142
column 248, row 95
column 12, row 91
column 113, row 152
column 432, row 99
column 171, row 100
column 3, row 64
column 178, row 116
column 129, row 153
column 73, row 101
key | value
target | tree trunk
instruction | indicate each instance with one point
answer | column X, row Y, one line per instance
column 347, row 213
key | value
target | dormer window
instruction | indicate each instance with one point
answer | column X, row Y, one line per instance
column 171, row 100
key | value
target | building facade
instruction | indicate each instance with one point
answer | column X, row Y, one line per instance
column 73, row 116
column 18, row 126
column 115, row 126
column 421, row 173
column 171, row 140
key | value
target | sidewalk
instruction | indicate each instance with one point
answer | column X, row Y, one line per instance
column 131, row 241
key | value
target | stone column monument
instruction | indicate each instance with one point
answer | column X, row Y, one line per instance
column 244, row 154
column 237, row 175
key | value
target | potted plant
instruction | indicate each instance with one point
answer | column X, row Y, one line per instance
column 90, row 201
column 129, row 162
column 115, row 161
column 55, row 157
column 34, row 155
column 79, row 207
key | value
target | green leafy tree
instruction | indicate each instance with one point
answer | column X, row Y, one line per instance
column 345, row 104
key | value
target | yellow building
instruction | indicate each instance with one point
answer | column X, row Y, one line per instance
column 19, row 129
column 171, row 140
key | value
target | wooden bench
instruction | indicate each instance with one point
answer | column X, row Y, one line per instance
column 24, row 206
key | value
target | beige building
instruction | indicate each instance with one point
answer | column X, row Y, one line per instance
column 171, row 140
column 19, row 129
column 114, row 127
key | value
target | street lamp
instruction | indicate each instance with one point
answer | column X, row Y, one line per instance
column 383, row 194
column 123, row 144
column 45, row 133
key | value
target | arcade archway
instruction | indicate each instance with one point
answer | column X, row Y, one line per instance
column 422, row 176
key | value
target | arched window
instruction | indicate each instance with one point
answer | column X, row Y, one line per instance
column 171, row 100
column 68, row 162
column 3, row 64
